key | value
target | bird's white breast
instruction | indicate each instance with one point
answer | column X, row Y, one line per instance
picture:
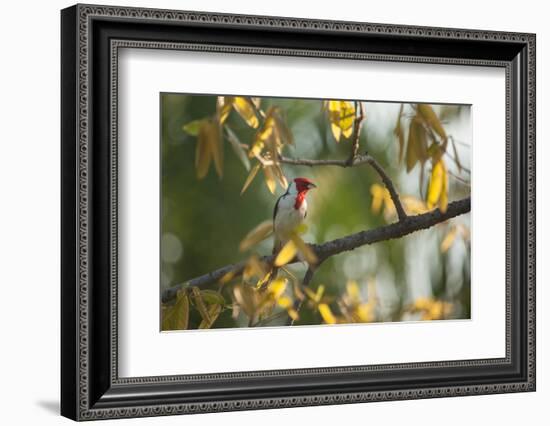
column 288, row 218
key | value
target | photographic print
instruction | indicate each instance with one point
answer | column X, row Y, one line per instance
column 292, row 212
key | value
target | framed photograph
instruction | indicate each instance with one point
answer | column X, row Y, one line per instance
column 263, row 212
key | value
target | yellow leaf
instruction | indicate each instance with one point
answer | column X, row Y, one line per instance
column 336, row 131
column 263, row 280
column 365, row 312
column 435, row 186
column 431, row 118
column 327, row 314
column 292, row 313
column 398, row 132
column 444, row 199
column 247, row 298
column 464, row 231
column 301, row 228
column 255, row 267
column 410, row 156
column 277, row 287
column 309, row 255
column 223, row 108
column 176, row 317
column 203, row 153
column 216, row 148
column 319, row 293
column 315, row 296
column 432, row 309
column 284, row 302
column 353, row 291
column 310, row 293
column 251, row 177
column 246, row 110
column 270, row 179
column 259, row 233
column 280, row 176
column 270, row 136
column 286, row 254
column 413, row 205
column 227, row 277
column 284, row 132
column 377, row 193
column 417, row 149
column 448, row 240
column 341, row 116
column 256, row 148
column 256, row 101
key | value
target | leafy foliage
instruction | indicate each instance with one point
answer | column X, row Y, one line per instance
column 258, row 132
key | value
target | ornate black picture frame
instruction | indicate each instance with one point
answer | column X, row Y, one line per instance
column 91, row 37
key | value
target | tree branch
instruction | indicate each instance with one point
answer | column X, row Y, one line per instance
column 356, row 131
column 323, row 251
column 357, row 161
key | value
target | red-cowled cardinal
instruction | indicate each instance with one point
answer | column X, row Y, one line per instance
column 290, row 211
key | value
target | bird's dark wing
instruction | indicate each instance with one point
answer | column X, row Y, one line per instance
column 277, row 203
column 277, row 206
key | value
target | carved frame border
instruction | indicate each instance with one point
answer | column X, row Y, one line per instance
column 85, row 14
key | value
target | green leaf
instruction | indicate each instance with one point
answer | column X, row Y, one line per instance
column 212, row 297
column 192, row 128
column 213, row 313
column 200, row 305
column 176, row 316
column 417, row 149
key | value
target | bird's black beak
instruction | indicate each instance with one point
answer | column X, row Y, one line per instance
column 311, row 185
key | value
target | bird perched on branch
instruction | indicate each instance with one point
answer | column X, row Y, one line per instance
column 290, row 211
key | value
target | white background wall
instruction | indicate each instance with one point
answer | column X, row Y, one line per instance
column 29, row 211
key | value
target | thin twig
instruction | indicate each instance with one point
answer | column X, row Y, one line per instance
column 299, row 302
column 458, row 178
column 356, row 131
column 391, row 189
column 467, row 170
column 358, row 160
column 323, row 251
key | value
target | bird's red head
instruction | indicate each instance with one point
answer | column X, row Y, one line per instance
column 303, row 184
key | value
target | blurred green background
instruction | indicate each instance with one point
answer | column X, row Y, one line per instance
column 203, row 221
